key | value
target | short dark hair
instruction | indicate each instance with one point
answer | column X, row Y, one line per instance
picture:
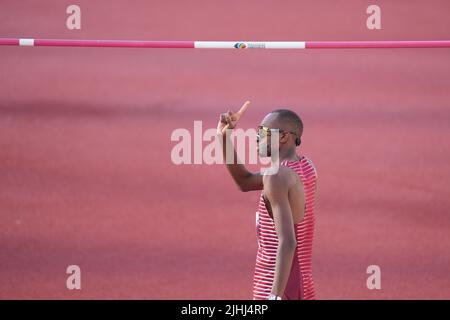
column 291, row 116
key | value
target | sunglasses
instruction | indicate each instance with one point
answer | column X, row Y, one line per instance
column 266, row 131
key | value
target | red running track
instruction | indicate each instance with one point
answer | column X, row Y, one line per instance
column 85, row 170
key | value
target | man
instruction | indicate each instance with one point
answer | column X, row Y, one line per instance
column 285, row 219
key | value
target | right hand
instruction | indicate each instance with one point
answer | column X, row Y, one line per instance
column 228, row 120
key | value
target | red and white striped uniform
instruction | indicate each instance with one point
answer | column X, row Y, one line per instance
column 300, row 284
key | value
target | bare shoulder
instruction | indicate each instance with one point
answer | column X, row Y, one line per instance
column 282, row 180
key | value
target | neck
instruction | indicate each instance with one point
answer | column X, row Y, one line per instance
column 289, row 154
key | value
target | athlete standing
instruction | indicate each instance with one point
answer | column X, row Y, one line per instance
column 285, row 217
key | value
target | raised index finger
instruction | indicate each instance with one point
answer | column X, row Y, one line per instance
column 242, row 110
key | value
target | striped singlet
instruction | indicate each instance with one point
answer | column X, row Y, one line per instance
column 300, row 284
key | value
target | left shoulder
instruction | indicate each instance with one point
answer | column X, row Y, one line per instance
column 283, row 179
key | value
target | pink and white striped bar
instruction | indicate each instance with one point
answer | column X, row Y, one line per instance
column 225, row 44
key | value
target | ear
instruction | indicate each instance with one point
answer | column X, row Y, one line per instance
column 284, row 137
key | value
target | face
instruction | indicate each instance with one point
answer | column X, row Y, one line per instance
column 264, row 134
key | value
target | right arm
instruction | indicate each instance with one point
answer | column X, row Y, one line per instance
column 245, row 180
